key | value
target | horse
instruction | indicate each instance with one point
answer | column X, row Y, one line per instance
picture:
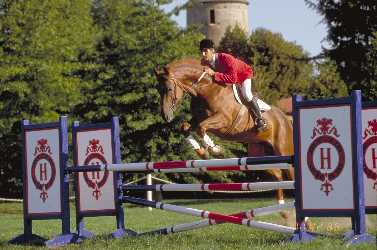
column 219, row 113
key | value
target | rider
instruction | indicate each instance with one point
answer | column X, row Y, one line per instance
column 224, row 68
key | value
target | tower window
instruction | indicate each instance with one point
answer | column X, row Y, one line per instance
column 212, row 19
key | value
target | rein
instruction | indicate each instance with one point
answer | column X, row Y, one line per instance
column 178, row 83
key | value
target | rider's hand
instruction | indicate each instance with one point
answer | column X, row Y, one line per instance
column 209, row 71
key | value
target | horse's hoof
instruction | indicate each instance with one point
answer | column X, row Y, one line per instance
column 202, row 153
column 284, row 215
column 216, row 151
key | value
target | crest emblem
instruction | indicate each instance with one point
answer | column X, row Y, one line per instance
column 370, row 148
column 95, row 156
column 43, row 171
column 324, row 141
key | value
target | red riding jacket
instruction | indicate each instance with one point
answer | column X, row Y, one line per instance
column 229, row 69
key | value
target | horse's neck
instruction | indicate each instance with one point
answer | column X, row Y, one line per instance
column 208, row 89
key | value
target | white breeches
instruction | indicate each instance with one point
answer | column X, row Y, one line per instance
column 246, row 90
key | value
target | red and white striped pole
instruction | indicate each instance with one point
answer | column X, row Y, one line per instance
column 249, row 214
column 211, row 215
column 241, row 164
column 253, row 186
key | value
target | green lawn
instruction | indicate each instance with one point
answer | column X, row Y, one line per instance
column 225, row 236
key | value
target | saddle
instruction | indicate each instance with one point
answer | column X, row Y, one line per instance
column 261, row 104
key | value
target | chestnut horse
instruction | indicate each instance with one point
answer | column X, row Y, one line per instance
column 222, row 115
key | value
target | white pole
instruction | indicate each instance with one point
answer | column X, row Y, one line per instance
column 149, row 193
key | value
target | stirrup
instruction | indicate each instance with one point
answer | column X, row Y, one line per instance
column 261, row 124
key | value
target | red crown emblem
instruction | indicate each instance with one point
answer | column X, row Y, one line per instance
column 94, row 147
column 371, row 129
column 373, row 126
column 42, row 147
column 324, row 127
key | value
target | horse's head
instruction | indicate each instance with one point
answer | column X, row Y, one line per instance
column 175, row 80
column 171, row 93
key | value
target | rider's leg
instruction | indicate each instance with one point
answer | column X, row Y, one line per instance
column 251, row 102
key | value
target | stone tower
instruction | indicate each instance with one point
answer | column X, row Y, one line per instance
column 215, row 16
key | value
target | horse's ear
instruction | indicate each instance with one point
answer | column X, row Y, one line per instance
column 166, row 70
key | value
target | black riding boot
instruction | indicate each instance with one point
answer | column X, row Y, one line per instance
column 259, row 120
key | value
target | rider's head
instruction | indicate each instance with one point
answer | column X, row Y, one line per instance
column 207, row 49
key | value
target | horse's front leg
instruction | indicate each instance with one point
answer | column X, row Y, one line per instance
column 214, row 122
column 200, row 151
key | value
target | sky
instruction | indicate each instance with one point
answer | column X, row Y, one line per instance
column 292, row 18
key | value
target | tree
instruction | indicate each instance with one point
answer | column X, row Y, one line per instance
column 326, row 82
column 351, row 31
column 235, row 42
column 40, row 45
column 136, row 36
column 282, row 68
column 279, row 65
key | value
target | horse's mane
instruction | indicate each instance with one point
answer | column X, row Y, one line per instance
column 185, row 65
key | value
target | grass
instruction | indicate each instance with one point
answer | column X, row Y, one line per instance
column 226, row 236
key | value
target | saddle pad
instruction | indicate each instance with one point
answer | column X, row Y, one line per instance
column 261, row 104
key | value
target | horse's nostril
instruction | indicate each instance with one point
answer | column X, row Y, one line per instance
column 169, row 118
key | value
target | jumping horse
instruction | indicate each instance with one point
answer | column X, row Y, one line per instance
column 222, row 115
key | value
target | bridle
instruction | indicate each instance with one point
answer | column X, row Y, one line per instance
column 176, row 83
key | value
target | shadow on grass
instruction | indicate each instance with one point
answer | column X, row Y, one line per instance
column 37, row 242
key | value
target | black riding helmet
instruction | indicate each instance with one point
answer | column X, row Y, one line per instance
column 206, row 44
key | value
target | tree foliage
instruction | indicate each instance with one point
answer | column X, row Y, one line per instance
column 40, row 45
column 136, row 36
column 352, row 26
column 94, row 59
column 91, row 60
column 282, row 68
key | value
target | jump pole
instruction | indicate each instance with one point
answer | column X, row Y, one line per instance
column 230, row 164
column 210, row 215
column 254, row 186
column 249, row 214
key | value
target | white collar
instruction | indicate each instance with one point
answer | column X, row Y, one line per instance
column 213, row 63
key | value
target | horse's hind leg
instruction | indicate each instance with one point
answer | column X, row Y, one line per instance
column 278, row 176
column 262, row 149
